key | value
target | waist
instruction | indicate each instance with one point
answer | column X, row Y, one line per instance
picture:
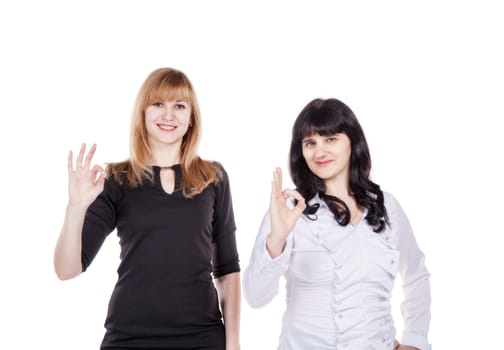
column 331, row 310
column 158, row 309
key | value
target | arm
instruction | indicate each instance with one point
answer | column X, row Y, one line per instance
column 228, row 289
column 283, row 218
column 85, row 184
column 271, row 253
column 67, row 255
column 416, row 287
column 225, row 263
column 262, row 276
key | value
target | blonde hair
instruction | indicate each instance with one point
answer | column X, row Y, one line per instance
column 166, row 84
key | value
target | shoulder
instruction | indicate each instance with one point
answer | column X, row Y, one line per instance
column 220, row 182
column 118, row 171
column 395, row 211
column 218, row 169
column 116, row 177
column 390, row 201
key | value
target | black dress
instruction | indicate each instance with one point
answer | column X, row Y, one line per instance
column 171, row 246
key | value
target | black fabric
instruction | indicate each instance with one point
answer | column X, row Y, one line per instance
column 170, row 247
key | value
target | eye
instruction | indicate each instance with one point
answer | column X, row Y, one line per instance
column 157, row 104
column 180, row 106
column 308, row 143
column 331, row 139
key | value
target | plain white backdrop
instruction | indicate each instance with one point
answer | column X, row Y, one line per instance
column 425, row 80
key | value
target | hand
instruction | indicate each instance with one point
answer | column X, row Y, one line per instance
column 283, row 218
column 398, row 346
column 84, row 183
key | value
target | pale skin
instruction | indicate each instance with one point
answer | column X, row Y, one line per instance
column 85, row 183
column 328, row 157
column 398, row 346
column 166, row 123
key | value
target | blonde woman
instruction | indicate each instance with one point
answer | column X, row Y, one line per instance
column 174, row 216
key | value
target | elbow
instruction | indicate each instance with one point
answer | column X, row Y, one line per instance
column 254, row 298
column 63, row 276
column 228, row 285
column 66, row 267
column 416, row 281
column 65, row 273
column 254, row 301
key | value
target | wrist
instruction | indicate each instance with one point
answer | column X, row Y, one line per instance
column 72, row 208
column 275, row 245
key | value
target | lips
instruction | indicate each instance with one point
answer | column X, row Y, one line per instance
column 165, row 127
column 323, row 163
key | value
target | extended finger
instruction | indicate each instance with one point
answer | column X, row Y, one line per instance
column 89, row 156
column 80, row 156
column 276, row 184
column 70, row 162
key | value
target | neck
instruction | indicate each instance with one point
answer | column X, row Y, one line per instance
column 165, row 155
column 339, row 188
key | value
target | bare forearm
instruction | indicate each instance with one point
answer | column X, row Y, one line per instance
column 67, row 254
column 275, row 245
column 228, row 287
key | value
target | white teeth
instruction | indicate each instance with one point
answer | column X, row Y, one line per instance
column 166, row 127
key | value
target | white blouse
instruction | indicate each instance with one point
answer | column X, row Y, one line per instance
column 339, row 282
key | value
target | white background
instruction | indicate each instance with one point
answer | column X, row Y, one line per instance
column 425, row 80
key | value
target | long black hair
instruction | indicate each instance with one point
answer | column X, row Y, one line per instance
column 328, row 117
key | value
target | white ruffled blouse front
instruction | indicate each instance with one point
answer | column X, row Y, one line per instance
column 339, row 282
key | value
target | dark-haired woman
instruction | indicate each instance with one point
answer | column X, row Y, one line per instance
column 339, row 241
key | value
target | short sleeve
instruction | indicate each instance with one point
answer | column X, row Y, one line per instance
column 225, row 258
column 99, row 222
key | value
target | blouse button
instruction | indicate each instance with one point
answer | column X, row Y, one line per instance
column 392, row 262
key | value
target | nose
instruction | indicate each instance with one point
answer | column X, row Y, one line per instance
column 319, row 151
column 168, row 113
